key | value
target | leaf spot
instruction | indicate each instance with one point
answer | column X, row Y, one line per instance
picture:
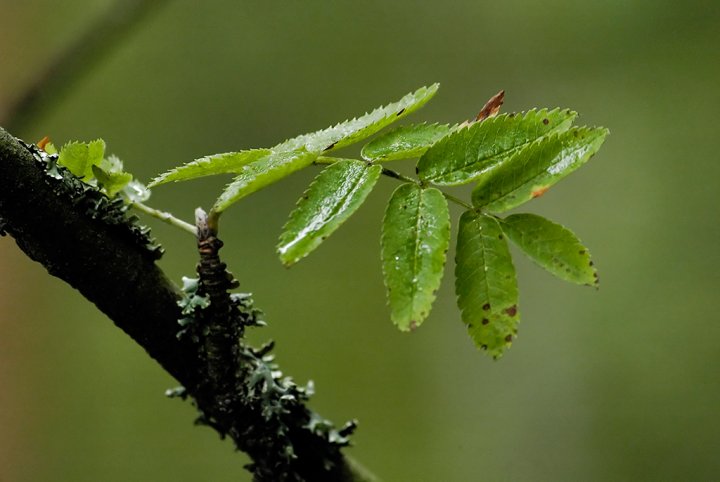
column 546, row 121
column 539, row 192
column 485, row 321
column 508, row 338
column 486, row 306
column 512, row 311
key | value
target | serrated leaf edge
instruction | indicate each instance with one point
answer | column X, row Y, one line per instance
column 358, row 181
column 166, row 177
column 516, row 314
column 432, row 296
column 399, row 128
column 600, row 132
column 576, row 239
column 495, row 160
column 424, row 93
column 219, row 207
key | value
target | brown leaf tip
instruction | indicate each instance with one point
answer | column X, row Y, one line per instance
column 540, row 191
column 491, row 107
column 43, row 142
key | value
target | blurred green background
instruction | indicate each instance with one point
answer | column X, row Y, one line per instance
column 620, row 384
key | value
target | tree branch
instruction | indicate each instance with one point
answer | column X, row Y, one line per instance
column 80, row 236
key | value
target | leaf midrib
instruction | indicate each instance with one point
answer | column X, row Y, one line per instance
column 413, row 282
column 338, row 207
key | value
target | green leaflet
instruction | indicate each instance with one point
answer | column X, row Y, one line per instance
column 355, row 130
column 552, row 246
column 415, row 238
column 50, row 148
column 110, row 175
column 263, row 172
column 467, row 153
column 335, row 194
column 405, row 142
column 228, row 162
column 111, row 181
column 80, row 157
column 532, row 171
column 485, row 283
column 266, row 163
column 87, row 161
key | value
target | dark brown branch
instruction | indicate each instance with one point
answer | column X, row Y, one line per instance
column 60, row 224
column 64, row 70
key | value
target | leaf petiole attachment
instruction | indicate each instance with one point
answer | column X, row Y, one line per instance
column 165, row 217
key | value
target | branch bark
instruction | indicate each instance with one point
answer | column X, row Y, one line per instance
column 62, row 227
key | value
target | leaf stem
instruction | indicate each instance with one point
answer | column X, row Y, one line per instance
column 401, row 177
column 165, row 217
column 323, row 160
column 458, row 201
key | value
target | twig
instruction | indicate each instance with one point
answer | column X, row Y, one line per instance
column 323, row 160
column 165, row 217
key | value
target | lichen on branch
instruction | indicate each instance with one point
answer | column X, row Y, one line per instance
column 79, row 236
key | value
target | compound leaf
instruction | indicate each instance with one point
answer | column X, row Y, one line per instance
column 229, row 162
column 335, row 194
column 531, row 171
column 404, row 142
column 261, row 173
column 415, row 238
column 485, row 283
column 552, row 246
column 355, row 130
column 467, row 153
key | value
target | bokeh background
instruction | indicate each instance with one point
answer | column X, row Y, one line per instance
column 620, row 384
